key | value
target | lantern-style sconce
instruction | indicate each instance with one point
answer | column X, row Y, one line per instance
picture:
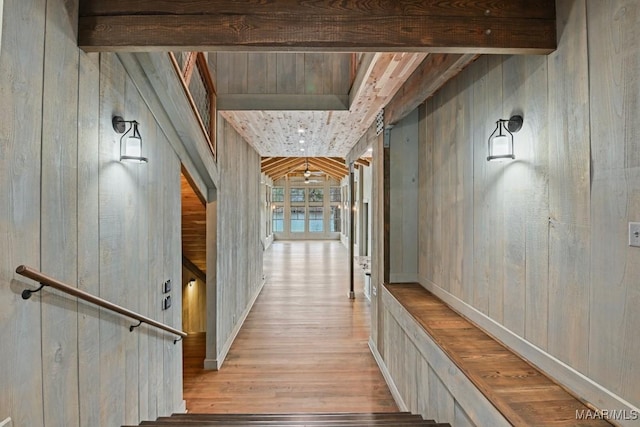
column 192, row 282
column 130, row 141
column 501, row 140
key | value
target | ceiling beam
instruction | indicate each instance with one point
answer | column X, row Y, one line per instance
column 325, row 165
column 268, row 168
column 291, row 163
column 470, row 26
column 430, row 75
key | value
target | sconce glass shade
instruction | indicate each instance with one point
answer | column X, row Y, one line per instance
column 501, row 140
column 130, row 141
column 192, row 282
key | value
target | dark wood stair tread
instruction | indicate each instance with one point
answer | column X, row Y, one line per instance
column 396, row 419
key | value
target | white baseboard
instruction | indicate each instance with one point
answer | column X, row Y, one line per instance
column 7, row 422
column 387, row 377
column 581, row 385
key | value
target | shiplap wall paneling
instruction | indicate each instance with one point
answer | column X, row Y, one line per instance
column 527, row 200
column 377, row 232
column 281, row 73
column 20, row 157
column 569, row 190
column 404, row 200
column 239, row 256
column 136, row 238
column 172, row 387
column 113, row 183
column 155, row 201
column 59, row 220
column 88, row 235
column 614, row 58
column 489, row 178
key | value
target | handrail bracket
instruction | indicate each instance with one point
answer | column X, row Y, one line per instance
column 26, row 294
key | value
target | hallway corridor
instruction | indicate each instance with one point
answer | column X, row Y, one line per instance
column 303, row 347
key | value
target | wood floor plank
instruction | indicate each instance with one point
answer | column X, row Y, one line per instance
column 303, row 347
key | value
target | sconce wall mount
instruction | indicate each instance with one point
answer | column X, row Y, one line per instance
column 130, row 141
column 500, row 142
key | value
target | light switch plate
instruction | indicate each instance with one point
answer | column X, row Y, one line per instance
column 634, row 234
column 166, row 302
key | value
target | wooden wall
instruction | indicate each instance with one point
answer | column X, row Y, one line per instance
column 536, row 250
column 281, row 73
column 194, row 302
column 404, row 200
column 73, row 210
column 239, row 246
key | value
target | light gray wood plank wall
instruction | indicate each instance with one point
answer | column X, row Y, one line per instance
column 88, row 235
column 569, row 190
column 614, row 58
column 404, row 200
column 239, row 250
column 539, row 245
column 20, row 213
column 77, row 213
column 59, row 225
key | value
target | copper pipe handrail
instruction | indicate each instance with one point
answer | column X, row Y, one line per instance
column 45, row 280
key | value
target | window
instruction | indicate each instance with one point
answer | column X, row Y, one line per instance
column 297, row 195
column 297, row 219
column 278, row 219
column 316, row 195
column 316, row 220
column 277, row 194
column 334, row 219
column 335, row 195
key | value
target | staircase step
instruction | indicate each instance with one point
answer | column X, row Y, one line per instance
column 396, row 423
column 325, row 417
column 395, row 419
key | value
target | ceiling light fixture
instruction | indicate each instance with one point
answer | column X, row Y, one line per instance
column 131, row 146
column 501, row 140
column 307, row 172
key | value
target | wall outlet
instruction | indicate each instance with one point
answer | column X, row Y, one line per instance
column 634, row 234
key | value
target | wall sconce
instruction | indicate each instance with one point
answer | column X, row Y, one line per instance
column 501, row 140
column 131, row 146
column 192, row 282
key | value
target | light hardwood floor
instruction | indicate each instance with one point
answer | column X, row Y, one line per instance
column 303, row 347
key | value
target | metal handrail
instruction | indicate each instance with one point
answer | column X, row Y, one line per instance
column 45, row 280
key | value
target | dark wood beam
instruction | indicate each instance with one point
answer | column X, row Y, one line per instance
column 470, row 26
column 186, row 262
column 281, row 169
column 435, row 70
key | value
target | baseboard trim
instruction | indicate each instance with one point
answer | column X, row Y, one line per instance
column 577, row 383
column 387, row 377
column 6, row 423
column 234, row 333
